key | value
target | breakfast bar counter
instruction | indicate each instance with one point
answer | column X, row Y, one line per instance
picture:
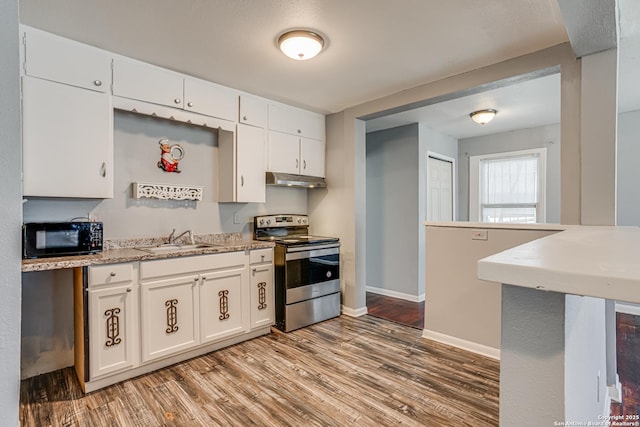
column 558, row 352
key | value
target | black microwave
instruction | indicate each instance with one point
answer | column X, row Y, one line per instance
column 49, row 239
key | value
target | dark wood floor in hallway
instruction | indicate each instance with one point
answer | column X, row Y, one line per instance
column 345, row 371
column 396, row 310
column 628, row 351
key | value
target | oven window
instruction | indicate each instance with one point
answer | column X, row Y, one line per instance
column 310, row 270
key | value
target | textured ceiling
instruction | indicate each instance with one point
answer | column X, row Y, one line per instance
column 374, row 47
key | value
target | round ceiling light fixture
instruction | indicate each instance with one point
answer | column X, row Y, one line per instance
column 300, row 44
column 483, row 117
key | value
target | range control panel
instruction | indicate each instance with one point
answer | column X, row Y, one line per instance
column 270, row 221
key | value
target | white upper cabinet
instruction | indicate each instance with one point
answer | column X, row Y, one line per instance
column 312, row 157
column 241, row 170
column 250, row 152
column 210, row 99
column 65, row 61
column 66, row 115
column 296, row 155
column 67, row 141
column 284, row 153
column 253, row 111
column 296, row 141
column 295, row 121
column 144, row 82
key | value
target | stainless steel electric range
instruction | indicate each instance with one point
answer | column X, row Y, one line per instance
column 307, row 271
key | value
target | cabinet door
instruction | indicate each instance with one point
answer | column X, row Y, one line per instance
column 296, row 121
column 210, row 99
column 169, row 312
column 312, row 157
column 311, row 124
column 250, row 164
column 262, row 296
column 67, row 142
column 147, row 83
column 253, row 111
column 113, row 329
column 282, row 118
column 222, row 312
column 65, row 61
column 284, row 153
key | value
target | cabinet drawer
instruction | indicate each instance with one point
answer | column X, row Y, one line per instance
column 191, row 264
column 261, row 255
column 112, row 273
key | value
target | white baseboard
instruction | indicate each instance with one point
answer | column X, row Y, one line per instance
column 628, row 308
column 473, row 347
column 614, row 394
column 394, row 294
column 357, row 312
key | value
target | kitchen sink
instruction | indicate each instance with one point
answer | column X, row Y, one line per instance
column 171, row 247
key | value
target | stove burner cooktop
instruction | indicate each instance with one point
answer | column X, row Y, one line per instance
column 287, row 230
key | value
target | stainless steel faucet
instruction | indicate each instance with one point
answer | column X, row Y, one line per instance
column 173, row 238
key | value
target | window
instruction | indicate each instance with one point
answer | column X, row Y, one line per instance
column 508, row 187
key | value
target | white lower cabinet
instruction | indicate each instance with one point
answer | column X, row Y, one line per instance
column 111, row 319
column 133, row 318
column 262, row 295
column 223, row 296
column 113, row 329
column 169, row 313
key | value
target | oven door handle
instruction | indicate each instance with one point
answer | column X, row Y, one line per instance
column 312, row 252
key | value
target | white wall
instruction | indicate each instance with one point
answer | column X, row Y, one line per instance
column 392, row 217
column 540, row 137
column 10, row 194
column 396, row 207
column 628, row 172
column 460, row 309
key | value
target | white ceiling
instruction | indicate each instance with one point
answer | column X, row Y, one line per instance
column 374, row 48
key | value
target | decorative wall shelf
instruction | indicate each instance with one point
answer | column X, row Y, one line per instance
column 166, row 191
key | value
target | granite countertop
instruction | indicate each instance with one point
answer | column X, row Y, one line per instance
column 594, row 261
column 128, row 250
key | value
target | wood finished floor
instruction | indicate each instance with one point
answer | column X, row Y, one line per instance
column 345, row 371
column 628, row 358
column 396, row 310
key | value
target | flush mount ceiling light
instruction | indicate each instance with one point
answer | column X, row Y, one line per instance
column 300, row 44
column 483, row 116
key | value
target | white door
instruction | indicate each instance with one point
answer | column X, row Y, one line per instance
column 439, row 190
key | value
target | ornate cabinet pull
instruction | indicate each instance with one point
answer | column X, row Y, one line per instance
column 113, row 327
column 262, row 295
column 172, row 316
column 224, row 305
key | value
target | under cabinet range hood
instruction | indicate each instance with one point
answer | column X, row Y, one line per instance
column 291, row 180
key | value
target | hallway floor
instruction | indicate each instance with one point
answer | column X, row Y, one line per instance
column 396, row 310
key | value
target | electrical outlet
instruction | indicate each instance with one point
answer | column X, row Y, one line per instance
column 480, row 235
column 237, row 218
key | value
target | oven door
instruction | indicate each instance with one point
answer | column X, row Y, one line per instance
column 311, row 272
